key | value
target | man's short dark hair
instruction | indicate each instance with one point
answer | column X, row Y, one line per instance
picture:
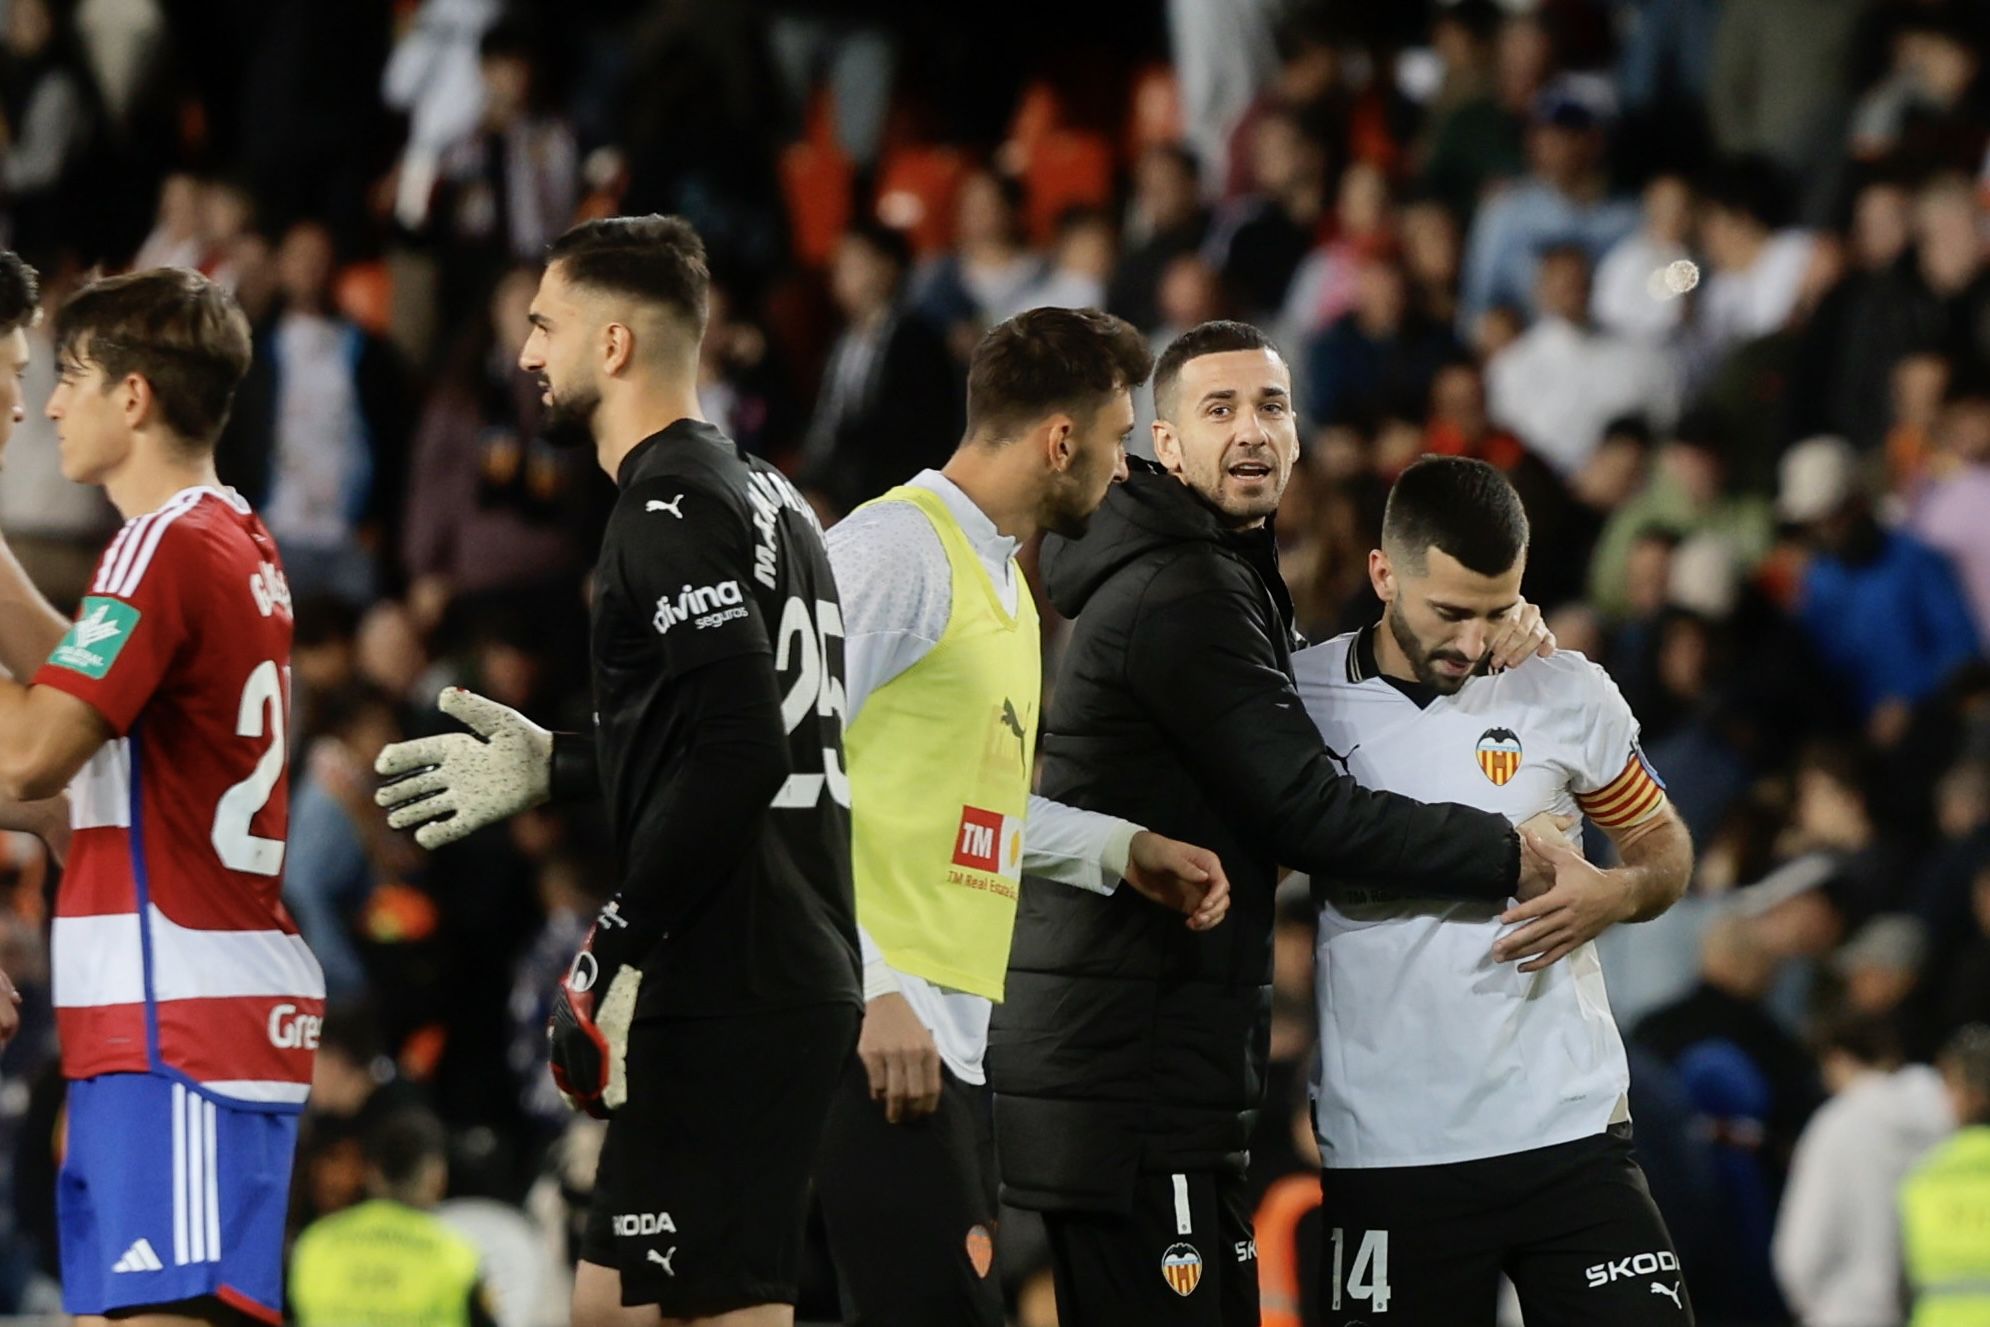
column 403, row 1142
column 173, row 327
column 20, row 292
column 1967, row 1054
column 1460, row 505
column 1210, row 338
column 655, row 259
column 1868, row 1037
column 1047, row 360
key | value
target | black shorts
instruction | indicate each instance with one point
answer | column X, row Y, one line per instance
column 702, row 1187
column 1184, row 1256
column 1573, row 1226
column 910, row 1208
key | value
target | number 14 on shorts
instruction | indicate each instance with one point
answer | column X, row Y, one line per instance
column 1369, row 1277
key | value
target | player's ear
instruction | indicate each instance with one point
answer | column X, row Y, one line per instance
column 1381, row 575
column 618, row 347
column 135, row 400
column 1060, row 443
column 1167, row 447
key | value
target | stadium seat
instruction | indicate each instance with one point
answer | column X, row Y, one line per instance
column 1068, row 168
column 816, row 181
column 916, row 188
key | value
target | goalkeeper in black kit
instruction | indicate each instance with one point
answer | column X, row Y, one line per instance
column 717, row 1001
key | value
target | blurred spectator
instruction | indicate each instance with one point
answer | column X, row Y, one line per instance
column 324, row 659
column 1866, row 323
column 1920, row 386
column 1222, row 58
column 1928, row 112
column 1430, row 247
column 1964, row 996
column 1476, row 130
column 1081, row 262
column 1626, row 300
column 1881, row 609
column 507, row 189
column 1378, row 358
column 1881, row 963
column 318, row 436
column 433, row 75
column 1564, row 200
column 989, row 273
column 1953, row 298
column 48, row 117
column 178, row 237
column 1259, row 239
column 1758, row 268
column 856, row 58
column 1837, row 1245
column 888, row 405
column 1562, row 383
column 1165, row 220
column 390, row 1259
column 1737, row 969
column 1775, row 62
column 1325, row 284
column 1949, row 515
column 740, row 388
column 1944, row 1202
column 339, row 848
column 491, row 504
column 1688, row 494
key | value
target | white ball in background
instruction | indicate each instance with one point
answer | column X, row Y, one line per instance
column 1681, row 276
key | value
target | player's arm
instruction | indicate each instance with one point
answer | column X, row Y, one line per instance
column 30, row 626
column 47, row 820
column 1628, row 803
column 1210, row 679
column 696, row 822
column 46, row 737
column 1094, row 852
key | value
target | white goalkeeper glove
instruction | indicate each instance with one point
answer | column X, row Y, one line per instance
column 450, row 785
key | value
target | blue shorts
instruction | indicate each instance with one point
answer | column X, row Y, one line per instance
column 168, row 1195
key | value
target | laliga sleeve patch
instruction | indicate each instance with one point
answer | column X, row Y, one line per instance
column 96, row 637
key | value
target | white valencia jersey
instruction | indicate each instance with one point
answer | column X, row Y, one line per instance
column 1431, row 1051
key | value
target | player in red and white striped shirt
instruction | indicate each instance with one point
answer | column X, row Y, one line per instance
column 188, row 1006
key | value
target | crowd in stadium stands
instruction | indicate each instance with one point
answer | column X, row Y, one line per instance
column 1763, row 503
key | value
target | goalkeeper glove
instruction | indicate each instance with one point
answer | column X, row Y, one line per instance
column 588, row 1034
column 452, row 784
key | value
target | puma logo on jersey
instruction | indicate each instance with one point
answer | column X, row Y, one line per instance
column 657, row 504
column 1673, row 1291
column 1631, row 1268
column 663, row 1260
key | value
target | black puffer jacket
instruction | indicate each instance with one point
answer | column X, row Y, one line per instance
column 1127, row 1042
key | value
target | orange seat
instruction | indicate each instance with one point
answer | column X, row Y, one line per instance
column 916, row 190
column 1069, row 168
column 364, row 292
column 816, row 182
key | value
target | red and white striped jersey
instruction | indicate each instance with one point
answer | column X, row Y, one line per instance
column 173, row 952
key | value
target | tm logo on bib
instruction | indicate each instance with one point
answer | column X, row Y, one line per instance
column 990, row 842
column 96, row 637
column 1499, row 754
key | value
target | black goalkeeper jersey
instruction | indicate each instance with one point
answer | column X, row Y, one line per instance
column 717, row 658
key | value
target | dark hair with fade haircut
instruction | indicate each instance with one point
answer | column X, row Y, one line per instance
column 181, row 332
column 1050, row 359
column 20, row 292
column 404, row 1141
column 656, row 259
column 1460, row 505
column 1210, row 338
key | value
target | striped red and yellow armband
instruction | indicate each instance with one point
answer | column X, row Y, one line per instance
column 1635, row 795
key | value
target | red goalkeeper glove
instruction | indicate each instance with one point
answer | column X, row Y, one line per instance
column 588, row 1034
